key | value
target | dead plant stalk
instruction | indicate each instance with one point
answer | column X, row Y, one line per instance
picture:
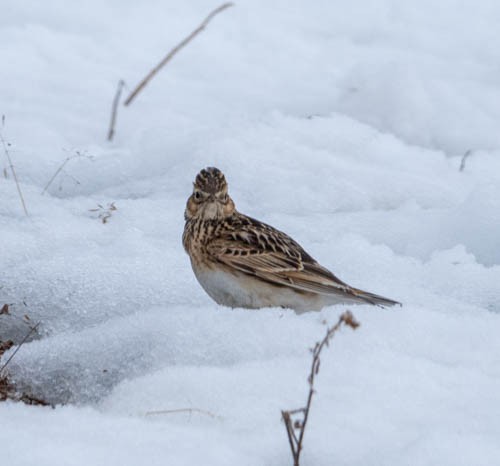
column 176, row 49
column 467, row 154
column 296, row 441
column 60, row 168
column 19, row 347
column 183, row 410
column 114, row 109
column 12, row 169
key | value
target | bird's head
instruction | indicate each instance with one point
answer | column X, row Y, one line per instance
column 210, row 199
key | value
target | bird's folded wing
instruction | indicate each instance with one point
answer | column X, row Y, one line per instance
column 276, row 264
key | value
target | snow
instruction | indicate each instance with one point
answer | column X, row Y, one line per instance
column 343, row 124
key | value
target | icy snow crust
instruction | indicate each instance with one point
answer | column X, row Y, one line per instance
column 341, row 123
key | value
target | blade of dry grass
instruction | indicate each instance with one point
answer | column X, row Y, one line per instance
column 19, row 347
column 12, row 169
column 114, row 109
column 61, row 167
column 467, row 154
column 183, row 410
column 172, row 52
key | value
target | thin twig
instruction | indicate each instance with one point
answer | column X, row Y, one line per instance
column 6, row 311
column 467, row 154
column 114, row 109
column 105, row 213
column 176, row 49
column 295, row 442
column 11, row 165
column 19, row 346
column 54, row 176
column 183, row 410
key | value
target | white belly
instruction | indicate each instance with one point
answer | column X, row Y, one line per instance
column 246, row 291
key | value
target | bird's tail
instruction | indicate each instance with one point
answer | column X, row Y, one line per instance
column 374, row 299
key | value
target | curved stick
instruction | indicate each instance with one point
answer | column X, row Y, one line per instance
column 172, row 52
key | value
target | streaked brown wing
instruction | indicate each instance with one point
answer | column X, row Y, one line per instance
column 260, row 250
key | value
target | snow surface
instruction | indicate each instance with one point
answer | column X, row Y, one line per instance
column 343, row 124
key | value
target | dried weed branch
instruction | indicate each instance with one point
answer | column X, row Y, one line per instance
column 176, row 49
column 183, row 410
column 11, row 166
column 467, row 154
column 7, row 389
column 296, row 420
column 25, row 319
column 114, row 109
column 105, row 213
column 9, row 392
column 19, row 347
column 59, row 170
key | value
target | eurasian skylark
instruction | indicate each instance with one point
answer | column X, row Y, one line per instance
column 241, row 262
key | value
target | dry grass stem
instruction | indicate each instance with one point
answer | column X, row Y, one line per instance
column 467, row 154
column 19, row 347
column 7, row 389
column 296, row 420
column 11, row 166
column 183, row 410
column 176, row 49
column 61, row 167
column 114, row 109
column 105, row 213
column 6, row 311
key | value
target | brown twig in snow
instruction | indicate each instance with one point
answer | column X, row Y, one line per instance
column 114, row 109
column 176, row 49
column 183, row 410
column 6, row 150
column 19, row 346
column 105, row 213
column 467, row 154
column 54, row 176
column 5, row 311
column 7, row 388
column 291, row 424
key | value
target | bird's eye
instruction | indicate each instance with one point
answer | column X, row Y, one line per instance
column 197, row 195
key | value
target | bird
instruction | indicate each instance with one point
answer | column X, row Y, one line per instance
column 243, row 263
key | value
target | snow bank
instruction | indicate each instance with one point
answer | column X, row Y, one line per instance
column 343, row 124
